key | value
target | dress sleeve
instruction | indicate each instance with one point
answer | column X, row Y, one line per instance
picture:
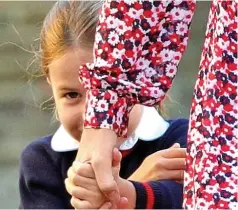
column 138, row 46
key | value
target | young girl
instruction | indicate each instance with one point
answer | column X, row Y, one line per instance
column 66, row 42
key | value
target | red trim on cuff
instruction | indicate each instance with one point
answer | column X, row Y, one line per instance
column 150, row 196
column 126, row 152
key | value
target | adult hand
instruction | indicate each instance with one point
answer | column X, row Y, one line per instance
column 96, row 147
column 164, row 164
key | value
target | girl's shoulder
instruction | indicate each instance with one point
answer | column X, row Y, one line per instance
column 177, row 125
column 39, row 145
column 39, row 152
column 177, row 131
column 41, row 176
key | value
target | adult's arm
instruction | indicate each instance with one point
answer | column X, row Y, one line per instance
column 138, row 46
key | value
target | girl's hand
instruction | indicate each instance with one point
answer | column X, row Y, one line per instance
column 164, row 164
column 82, row 186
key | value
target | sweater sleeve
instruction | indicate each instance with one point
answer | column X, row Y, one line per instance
column 41, row 185
column 138, row 46
column 161, row 194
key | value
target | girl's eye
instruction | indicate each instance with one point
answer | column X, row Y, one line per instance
column 72, row 95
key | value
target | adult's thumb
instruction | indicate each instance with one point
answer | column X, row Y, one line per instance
column 105, row 180
column 116, row 157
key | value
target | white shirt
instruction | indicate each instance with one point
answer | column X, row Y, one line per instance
column 150, row 127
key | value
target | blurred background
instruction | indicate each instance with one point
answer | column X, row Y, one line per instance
column 25, row 113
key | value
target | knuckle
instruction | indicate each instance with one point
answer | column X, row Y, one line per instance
column 97, row 161
column 77, row 170
column 69, row 172
column 76, row 167
column 74, row 178
column 67, row 186
column 73, row 202
column 66, row 182
column 106, row 186
column 75, row 192
column 159, row 163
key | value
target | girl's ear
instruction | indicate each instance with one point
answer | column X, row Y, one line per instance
column 48, row 80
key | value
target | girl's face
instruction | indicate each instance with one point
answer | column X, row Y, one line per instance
column 69, row 94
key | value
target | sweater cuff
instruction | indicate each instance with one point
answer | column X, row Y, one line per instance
column 107, row 109
column 148, row 195
column 164, row 194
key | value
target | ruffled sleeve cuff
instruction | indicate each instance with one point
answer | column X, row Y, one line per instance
column 107, row 109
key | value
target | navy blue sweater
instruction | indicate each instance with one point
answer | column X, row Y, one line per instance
column 42, row 173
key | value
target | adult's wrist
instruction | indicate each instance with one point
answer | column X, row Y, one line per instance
column 107, row 109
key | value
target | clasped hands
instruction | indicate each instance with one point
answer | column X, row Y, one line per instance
column 82, row 185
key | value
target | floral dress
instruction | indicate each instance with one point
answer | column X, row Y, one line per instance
column 138, row 46
column 212, row 174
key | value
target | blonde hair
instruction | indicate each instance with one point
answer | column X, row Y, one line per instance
column 68, row 24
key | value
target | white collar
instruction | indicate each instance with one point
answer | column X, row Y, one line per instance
column 151, row 127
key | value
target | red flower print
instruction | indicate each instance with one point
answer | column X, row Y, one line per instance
column 207, row 196
column 138, row 35
column 147, row 13
column 128, row 20
column 174, row 38
column 94, row 122
column 122, row 7
column 95, row 92
column 225, row 168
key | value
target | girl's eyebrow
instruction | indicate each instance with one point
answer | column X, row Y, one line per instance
column 63, row 88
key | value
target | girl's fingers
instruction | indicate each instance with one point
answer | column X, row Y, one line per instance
column 83, row 169
column 80, row 204
column 78, row 180
column 177, row 175
column 174, row 153
column 78, row 192
column 68, row 186
column 174, row 163
column 82, row 193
